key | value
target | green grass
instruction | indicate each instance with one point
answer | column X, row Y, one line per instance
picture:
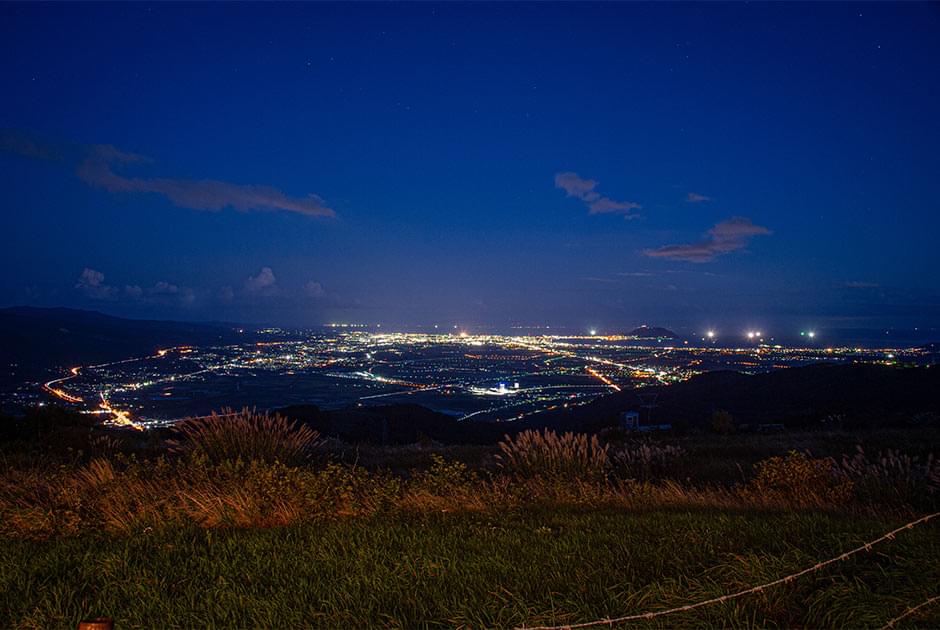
column 402, row 537
column 478, row 570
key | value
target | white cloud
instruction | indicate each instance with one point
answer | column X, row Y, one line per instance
column 314, row 290
column 91, row 283
column 265, row 283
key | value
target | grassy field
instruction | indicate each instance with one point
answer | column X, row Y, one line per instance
column 252, row 523
column 477, row 570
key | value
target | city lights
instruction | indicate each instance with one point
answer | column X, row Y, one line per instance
column 472, row 375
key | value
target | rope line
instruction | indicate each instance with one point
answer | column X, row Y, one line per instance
column 754, row 589
column 909, row 612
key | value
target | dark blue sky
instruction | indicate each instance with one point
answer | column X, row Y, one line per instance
column 579, row 164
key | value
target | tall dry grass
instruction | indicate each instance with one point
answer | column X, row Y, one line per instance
column 246, row 435
column 124, row 495
column 128, row 497
column 647, row 461
column 546, row 454
column 893, row 477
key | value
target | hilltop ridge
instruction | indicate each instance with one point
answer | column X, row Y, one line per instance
column 37, row 338
column 652, row 332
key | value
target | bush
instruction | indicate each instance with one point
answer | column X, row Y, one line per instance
column 444, row 476
column 722, row 422
column 245, row 435
column 799, row 480
column 546, row 454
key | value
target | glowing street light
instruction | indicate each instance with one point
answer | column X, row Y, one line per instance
column 751, row 334
column 593, row 332
column 710, row 334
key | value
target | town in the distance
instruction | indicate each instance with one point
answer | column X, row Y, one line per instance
column 467, row 374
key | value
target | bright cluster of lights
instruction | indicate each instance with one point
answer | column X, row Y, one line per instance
column 756, row 334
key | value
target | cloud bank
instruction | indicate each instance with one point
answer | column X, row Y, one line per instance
column 697, row 198
column 724, row 238
column 261, row 288
column 576, row 186
column 205, row 194
column 92, row 284
column 96, row 167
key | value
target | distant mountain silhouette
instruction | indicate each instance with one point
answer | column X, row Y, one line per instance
column 652, row 332
column 39, row 338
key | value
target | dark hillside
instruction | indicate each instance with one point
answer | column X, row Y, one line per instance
column 864, row 395
column 39, row 338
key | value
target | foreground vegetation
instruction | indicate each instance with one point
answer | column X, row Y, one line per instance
column 254, row 522
column 476, row 570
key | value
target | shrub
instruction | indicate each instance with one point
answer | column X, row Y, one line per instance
column 444, row 476
column 722, row 422
column 547, row 454
column 352, row 490
column 245, row 435
column 647, row 461
column 799, row 480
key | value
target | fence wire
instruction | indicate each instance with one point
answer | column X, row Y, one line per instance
column 909, row 612
column 754, row 589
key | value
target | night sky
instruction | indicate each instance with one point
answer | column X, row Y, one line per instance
column 707, row 165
